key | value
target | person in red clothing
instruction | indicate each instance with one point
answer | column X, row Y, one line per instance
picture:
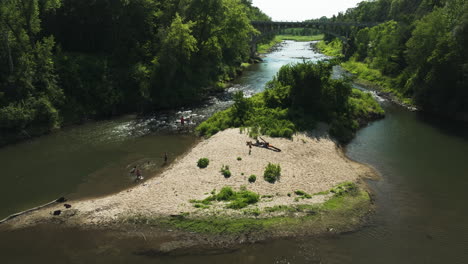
column 182, row 120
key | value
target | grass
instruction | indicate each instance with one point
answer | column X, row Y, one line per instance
column 366, row 75
column 375, row 79
column 322, row 193
column 236, row 200
column 303, row 194
column 266, row 47
column 333, row 48
column 342, row 212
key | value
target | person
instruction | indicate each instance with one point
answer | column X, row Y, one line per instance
column 165, row 157
column 250, row 147
column 138, row 175
column 133, row 170
column 182, row 120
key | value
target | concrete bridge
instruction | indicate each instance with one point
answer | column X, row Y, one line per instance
column 325, row 26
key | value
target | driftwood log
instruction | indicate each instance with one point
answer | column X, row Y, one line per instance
column 59, row 200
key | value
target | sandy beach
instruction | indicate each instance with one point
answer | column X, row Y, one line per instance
column 309, row 162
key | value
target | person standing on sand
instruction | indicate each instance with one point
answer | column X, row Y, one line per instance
column 138, row 175
column 250, row 147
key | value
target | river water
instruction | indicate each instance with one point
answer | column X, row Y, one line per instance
column 420, row 216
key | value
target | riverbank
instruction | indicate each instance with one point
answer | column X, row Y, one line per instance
column 365, row 76
column 311, row 163
column 278, row 39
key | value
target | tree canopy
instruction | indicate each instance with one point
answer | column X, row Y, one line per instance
column 420, row 45
column 65, row 61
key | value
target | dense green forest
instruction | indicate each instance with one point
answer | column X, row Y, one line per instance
column 65, row 61
column 418, row 50
column 298, row 97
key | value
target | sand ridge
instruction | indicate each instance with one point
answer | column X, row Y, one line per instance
column 309, row 162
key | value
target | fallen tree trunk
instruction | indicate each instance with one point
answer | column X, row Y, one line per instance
column 59, row 200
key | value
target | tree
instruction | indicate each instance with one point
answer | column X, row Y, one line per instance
column 172, row 65
column 30, row 94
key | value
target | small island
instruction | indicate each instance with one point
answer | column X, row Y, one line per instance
column 295, row 181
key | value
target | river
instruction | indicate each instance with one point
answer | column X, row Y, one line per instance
column 420, row 216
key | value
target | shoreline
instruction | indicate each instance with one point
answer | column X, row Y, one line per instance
column 312, row 163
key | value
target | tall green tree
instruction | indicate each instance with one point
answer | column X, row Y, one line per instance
column 28, row 80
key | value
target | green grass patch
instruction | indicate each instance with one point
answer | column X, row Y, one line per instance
column 237, row 200
column 322, row 193
column 245, row 65
column 345, row 201
column 231, row 226
column 303, row 194
column 333, row 48
column 266, row 47
column 375, row 79
column 350, row 203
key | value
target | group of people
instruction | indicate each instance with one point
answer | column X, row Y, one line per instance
column 137, row 173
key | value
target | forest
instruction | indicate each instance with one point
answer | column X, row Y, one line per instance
column 65, row 61
column 417, row 51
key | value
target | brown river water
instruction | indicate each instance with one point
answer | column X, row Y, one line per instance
column 421, row 213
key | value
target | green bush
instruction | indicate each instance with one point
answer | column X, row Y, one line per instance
column 225, row 171
column 226, row 194
column 243, row 198
column 272, row 173
column 239, row 158
column 237, row 200
column 252, row 178
column 203, row 163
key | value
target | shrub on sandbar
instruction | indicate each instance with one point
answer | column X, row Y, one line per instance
column 272, row 173
column 252, row 178
column 203, row 163
column 225, row 171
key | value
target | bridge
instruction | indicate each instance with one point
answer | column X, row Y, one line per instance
column 325, row 26
column 266, row 26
